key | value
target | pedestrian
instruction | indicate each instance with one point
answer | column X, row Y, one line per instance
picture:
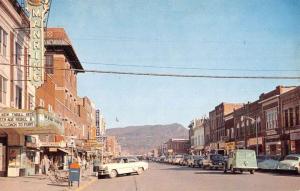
column 96, row 164
column 46, row 164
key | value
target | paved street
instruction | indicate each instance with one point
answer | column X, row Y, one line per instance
column 163, row 177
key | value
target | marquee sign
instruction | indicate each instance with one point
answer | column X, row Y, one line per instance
column 37, row 10
column 17, row 119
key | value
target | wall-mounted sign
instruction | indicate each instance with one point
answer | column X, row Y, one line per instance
column 37, row 10
column 17, row 119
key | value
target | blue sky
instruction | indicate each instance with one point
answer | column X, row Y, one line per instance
column 215, row 34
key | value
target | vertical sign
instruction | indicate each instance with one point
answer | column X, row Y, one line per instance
column 98, row 125
column 37, row 10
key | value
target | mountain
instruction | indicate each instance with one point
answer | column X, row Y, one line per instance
column 141, row 139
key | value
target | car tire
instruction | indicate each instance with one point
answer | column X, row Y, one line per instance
column 251, row 171
column 232, row 170
column 139, row 170
column 113, row 174
column 224, row 169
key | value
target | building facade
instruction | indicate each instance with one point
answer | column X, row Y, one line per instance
column 178, row 146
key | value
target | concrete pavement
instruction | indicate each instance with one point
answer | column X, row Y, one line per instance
column 163, row 177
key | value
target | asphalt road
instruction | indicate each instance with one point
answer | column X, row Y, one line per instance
column 164, row 177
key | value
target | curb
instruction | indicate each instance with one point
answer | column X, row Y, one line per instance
column 83, row 185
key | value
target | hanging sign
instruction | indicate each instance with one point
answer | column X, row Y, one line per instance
column 37, row 10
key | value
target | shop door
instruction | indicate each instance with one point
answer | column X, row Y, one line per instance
column 272, row 149
column 3, row 156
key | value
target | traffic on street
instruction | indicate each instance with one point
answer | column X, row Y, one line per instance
column 167, row 177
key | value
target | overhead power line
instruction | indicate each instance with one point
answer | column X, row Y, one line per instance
column 180, row 67
column 169, row 74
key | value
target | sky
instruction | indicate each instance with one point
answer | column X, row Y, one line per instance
column 210, row 36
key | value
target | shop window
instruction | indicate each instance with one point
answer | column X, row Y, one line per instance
column 18, row 100
column 291, row 112
column 49, row 64
column 297, row 115
column 3, row 89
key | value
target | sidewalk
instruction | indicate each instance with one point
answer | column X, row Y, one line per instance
column 41, row 183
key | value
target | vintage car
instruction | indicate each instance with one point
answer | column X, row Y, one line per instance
column 184, row 160
column 213, row 161
column 241, row 160
column 176, row 159
column 122, row 165
column 193, row 160
column 267, row 162
column 290, row 163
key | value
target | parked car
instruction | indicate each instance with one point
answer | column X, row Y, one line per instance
column 184, row 161
column 241, row 160
column 267, row 162
column 162, row 159
column 177, row 159
column 290, row 163
column 122, row 165
column 193, row 160
column 213, row 161
column 170, row 160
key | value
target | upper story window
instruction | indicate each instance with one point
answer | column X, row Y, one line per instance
column 18, row 100
column 18, row 54
column 30, row 102
column 3, row 89
column 49, row 64
column 3, row 42
column 271, row 119
column 297, row 115
column 291, row 115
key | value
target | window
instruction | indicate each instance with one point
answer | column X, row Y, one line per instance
column 50, row 108
column 3, row 89
column 18, row 100
column 291, row 112
column 18, row 54
column 49, row 64
column 271, row 118
column 4, row 42
column 42, row 104
column 297, row 115
column 1, row 39
column 30, row 102
column 286, row 118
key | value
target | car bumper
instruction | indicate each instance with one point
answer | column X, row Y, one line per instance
column 103, row 172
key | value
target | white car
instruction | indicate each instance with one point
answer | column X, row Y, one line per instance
column 176, row 159
column 290, row 163
column 122, row 165
column 267, row 162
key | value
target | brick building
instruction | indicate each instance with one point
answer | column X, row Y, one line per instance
column 217, row 124
column 290, row 121
column 178, row 146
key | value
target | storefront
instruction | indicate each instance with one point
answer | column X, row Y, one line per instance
column 230, row 146
column 273, row 143
column 295, row 143
column 19, row 154
column 240, row 145
column 255, row 143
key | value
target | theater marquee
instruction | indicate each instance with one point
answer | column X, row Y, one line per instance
column 37, row 10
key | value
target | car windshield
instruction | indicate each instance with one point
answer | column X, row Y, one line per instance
column 291, row 158
column 197, row 157
column 217, row 157
column 117, row 160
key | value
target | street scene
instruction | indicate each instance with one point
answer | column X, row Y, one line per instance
column 140, row 95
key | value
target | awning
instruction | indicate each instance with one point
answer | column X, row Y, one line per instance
column 64, row 150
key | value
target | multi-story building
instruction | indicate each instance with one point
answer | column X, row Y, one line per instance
column 112, row 146
column 197, row 135
column 217, row 124
column 16, row 91
column 290, row 121
column 178, row 146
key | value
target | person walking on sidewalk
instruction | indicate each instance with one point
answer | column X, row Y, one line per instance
column 45, row 164
column 96, row 165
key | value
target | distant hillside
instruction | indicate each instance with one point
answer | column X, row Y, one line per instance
column 140, row 139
